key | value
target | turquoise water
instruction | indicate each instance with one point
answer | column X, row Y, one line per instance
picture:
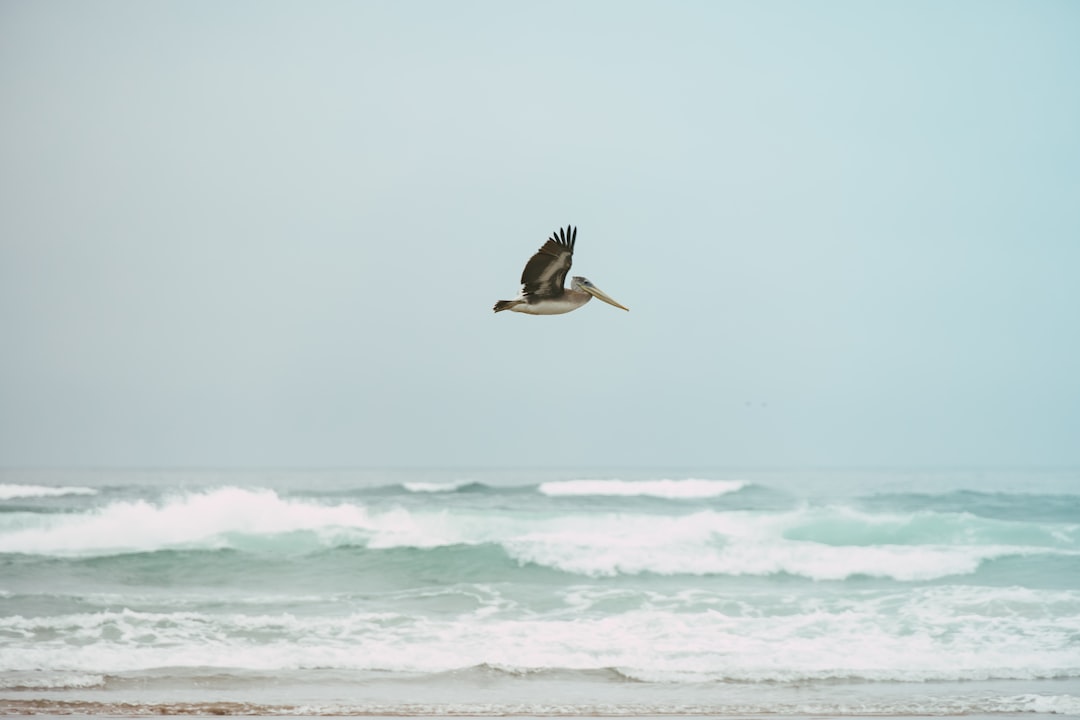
column 625, row 592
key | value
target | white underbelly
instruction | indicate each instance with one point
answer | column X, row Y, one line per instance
column 558, row 306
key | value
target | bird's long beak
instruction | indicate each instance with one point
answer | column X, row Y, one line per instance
column 598, row 293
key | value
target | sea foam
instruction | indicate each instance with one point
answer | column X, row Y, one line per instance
column 933, row 634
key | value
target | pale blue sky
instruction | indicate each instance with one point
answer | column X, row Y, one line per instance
column 270, row 233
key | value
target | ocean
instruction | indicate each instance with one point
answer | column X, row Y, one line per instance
column 553, row 592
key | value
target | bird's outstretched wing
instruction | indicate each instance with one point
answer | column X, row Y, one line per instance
column 545, row 272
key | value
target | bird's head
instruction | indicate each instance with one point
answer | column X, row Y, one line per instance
column 583, row 284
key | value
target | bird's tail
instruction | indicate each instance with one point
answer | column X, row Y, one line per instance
column 506, row 304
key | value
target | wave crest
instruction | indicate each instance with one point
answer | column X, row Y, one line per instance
column 444, row 487
column 690, row 489
column 19, row 492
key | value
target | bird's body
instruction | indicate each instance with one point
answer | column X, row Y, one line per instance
column 542, row 291
column 570, row 300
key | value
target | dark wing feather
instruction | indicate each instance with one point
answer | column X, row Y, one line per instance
column 545, row 272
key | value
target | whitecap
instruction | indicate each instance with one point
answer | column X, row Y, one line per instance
column 16, row 491
column 689, row 489
column 434, row 487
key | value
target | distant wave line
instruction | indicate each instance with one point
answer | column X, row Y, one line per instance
column 441, row 487
column 667, row 489
column 16, row 491
column 689, row 489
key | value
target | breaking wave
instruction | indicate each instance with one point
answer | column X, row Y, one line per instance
column 821, row 543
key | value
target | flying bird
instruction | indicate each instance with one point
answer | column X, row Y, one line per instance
column 542, row 291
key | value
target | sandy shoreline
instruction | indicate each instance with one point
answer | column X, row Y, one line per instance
column 542, row 697
column 126, row 710
column 43, row 708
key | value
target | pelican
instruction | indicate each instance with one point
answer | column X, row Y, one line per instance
column 542, row 291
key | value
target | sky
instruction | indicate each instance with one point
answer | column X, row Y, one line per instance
column 266, row 234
